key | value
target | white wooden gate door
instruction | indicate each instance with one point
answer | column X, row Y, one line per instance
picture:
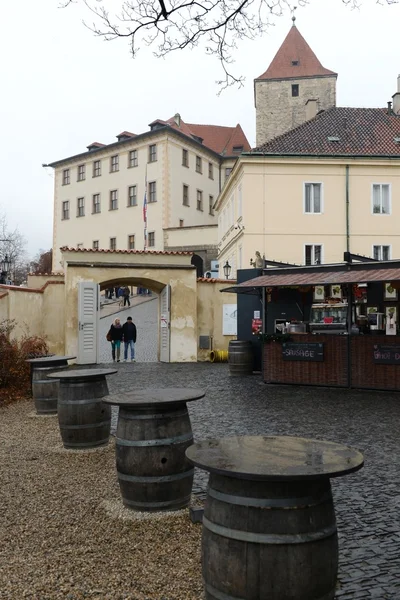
column 165, row 317
column 88, row 312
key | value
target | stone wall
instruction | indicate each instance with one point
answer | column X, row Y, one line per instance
column 277, row 111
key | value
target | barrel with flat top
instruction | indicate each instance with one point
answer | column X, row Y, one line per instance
column 84, row 419
column 44, row 390
column 153, row 432
column 240, row 358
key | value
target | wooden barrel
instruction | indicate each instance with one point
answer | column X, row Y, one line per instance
column 84, row 419
column 240, row 357
column 153, row 471
column 45, row 391
column 274, row 540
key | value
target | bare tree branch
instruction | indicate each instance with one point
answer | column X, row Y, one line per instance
column 169, row 25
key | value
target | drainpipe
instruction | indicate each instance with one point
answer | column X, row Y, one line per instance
column 347, row 210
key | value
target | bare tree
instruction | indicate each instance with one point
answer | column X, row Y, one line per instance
column 168, row 25
column 42, row 263
column 12, row 245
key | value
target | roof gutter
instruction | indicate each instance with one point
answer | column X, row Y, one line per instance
column 315, row 155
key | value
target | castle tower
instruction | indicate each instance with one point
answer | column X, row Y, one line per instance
column 293, row 88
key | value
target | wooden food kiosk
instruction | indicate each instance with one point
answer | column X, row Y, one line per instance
column 330, row 325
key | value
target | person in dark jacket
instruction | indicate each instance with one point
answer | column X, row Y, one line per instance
column 126, row 296
column 116, row 334
column 129, row 336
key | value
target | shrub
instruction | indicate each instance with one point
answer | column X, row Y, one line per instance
column 15, row 372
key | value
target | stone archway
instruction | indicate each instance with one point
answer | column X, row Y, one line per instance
column 154, row 270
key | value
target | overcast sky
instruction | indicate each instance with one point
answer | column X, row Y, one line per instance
column 63, row 88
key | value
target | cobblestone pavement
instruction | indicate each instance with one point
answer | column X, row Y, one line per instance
column 367, row 503
column 145, row 318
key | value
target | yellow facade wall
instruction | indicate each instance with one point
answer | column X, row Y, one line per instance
column 210, row 303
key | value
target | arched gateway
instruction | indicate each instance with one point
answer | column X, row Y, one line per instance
column 169, row 274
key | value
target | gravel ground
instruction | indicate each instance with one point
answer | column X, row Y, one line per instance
column 65, row 534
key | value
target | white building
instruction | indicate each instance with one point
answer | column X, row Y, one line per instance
column 99, row 194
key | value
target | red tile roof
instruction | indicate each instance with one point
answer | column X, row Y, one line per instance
column 323, row 277
column 127, row 134
column 96, row 145
column 214, row 280
column 295, row 48
column 106, row 250
column 216, row 137
column 341, row 131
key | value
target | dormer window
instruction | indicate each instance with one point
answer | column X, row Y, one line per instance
column 295, row 63
column 237, row 149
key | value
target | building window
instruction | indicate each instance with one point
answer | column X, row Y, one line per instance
column 381, row 252
column 152, row 239
column 152, row 191
column 131, row 242
column 132, row 195
column 114, row 163
column 313, row 198
column 381, row 198
column 180, row 222
column 113, row 243
column 199, row 164
column 95, row 244
column 81, row 172
column 237, row 149
column 185, row 158
column 295, row 90
column 240, row 252
column 185, row 198
column 97, row 168
column 199, row 200
column 133, row 158
column 65, row 210
column 295, row 63
column 96, row 203
column 65, row 177
column 153, row 153
column 210, row 205
column 228, row 171
column 210, row 171
column 80, row 207
column 313, row 254
column 114, row 200
column 240, row 201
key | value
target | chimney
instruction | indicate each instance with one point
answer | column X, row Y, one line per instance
column 389, row 108
column 396, row 98
column 311, row 108
column 177, row 119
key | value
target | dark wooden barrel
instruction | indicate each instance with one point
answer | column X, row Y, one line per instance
column 153, row 471
column 84, row 419
column 240, row 358
column 274, row 540
column 45, row 391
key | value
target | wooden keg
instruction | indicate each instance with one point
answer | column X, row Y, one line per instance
column 84, row 419
column 153, row 471
column 240, row 358
column 274, row 540
column 45, row 391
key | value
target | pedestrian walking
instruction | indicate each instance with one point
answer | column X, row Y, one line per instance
column 120, row 296
column 129, row 337
column 126, row 296
column 115, row 337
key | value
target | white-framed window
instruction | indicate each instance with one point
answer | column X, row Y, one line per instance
column 95, row 244
column 96, row 208
column 131, row 242
column 152, row 239
column 210, row 170
column 152, row 152
column 81, row 173
column 65, row 177
column 153, row 191
column 113, row 243
column 113, row 199
column 114, row 163
column 97, row 168
column 185, row 158
column 80, row 207
column 133, row 159
column 211, row 205
column 380, row 252
column 199, row 166
column 185, row 195
column 228, row 171
column 132, row 195
column 199, row 205
column 381, row 200
column 65, row 210
column 313, row 198
column 313, row 254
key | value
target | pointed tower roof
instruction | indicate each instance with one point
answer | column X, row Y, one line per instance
column 295, row 59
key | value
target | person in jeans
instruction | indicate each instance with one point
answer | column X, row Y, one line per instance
column 116, row 333
column 129, row 336
column 126, row 296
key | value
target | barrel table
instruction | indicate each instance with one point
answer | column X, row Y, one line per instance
column 153, row 432
column 269, row 528
column 84, row 419
column 240, row 358
column 45, row 391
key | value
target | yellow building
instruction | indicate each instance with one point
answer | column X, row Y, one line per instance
column 328, row 186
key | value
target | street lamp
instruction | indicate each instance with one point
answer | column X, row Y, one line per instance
column 5, row 265
column 227, row 270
